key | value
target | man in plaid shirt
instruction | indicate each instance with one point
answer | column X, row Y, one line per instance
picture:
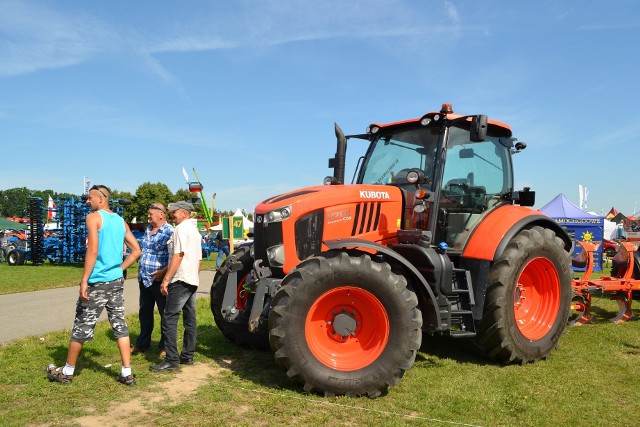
column 152, row 267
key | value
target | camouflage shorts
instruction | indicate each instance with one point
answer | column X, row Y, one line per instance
column 101, row 295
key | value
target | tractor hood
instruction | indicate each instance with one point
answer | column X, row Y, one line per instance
column 303, row 219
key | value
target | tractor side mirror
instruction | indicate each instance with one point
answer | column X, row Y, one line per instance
column 478, row 128
column 526, row 197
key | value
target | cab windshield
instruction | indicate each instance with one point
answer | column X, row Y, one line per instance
column 392, row 156
column 469, row 179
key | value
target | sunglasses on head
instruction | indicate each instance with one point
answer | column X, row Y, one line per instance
column 98, row 187
column 157, row 208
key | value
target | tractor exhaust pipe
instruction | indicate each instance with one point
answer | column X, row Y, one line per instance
column 338, row 162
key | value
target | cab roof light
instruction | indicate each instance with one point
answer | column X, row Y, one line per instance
column 446, row 109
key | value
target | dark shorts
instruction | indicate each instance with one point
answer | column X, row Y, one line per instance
column 109, row 295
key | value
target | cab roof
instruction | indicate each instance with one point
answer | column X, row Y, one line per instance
column 449, row 115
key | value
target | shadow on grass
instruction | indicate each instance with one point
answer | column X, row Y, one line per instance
column 87, row 359
column 601, row 314
column 633, row 349
column 260, row 368
column 256, row 366
column 435, row 348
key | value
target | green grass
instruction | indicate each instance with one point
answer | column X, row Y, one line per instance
column 29, row 277
column 592, row 379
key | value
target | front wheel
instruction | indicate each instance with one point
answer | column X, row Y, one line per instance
column 345, row 325
column 528, row 298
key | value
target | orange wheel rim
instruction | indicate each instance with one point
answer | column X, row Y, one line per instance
column 347, row 328
column 536, row 298
column 241, row 294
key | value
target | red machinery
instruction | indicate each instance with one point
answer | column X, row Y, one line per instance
column 619, row 287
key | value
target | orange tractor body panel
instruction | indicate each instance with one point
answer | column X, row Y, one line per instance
column 370, row 212
column 492, row 230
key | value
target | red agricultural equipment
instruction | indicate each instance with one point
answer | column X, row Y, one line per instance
column 343, row 279
column 621, row 286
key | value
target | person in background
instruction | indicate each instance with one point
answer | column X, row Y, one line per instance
column 179, row 285
column 151, row 270
column 102, row 285
column 223, row 248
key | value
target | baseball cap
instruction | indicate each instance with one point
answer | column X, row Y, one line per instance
column 180, row 205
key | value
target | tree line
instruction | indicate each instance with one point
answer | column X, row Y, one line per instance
column 15, row 201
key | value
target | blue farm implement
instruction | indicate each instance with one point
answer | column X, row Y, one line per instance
column 65, row 243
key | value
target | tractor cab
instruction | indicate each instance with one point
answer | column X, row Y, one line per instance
column 452, row 169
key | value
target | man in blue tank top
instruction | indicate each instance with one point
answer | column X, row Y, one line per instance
column 101, row 285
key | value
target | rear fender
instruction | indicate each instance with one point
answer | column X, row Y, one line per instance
column 368, row 246
column 489, row 240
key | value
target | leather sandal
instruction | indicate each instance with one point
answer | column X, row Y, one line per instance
column 128, row 380
column 55, row 374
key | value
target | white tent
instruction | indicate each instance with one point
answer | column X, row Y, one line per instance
column 246, row 224
column 610, row 230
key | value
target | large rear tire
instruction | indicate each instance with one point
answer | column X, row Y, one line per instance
column 237, row 333
column 528, row 299
column 15, row 257
column 345, row 325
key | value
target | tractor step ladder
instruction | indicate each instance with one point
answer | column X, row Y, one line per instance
column 458, row 311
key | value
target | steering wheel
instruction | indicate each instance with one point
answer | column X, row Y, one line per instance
column 456, row 188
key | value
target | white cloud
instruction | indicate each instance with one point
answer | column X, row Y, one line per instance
column 35, row 38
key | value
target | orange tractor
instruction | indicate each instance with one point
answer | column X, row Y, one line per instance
column 343, row 279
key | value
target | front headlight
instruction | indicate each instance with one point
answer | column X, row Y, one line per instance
column 277, row 215
column 275, row 255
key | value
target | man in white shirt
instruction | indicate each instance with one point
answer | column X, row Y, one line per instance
column 179, row 285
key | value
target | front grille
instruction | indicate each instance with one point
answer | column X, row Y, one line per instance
column 309, row 234
column 366, row 218
column 264, row 237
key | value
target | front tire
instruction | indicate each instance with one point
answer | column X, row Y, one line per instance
column 528, row 299
column 237, row 333
column 345, row 325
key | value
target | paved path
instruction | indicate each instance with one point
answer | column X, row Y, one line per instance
column 36, row 313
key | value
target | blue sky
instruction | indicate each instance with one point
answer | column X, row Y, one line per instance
column 247, row 91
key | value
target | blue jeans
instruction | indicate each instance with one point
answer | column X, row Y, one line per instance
column 149, row 297
column 181, row 297
column 222, row 250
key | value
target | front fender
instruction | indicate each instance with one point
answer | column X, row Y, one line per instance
column 367, row 245
column 489, row 239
